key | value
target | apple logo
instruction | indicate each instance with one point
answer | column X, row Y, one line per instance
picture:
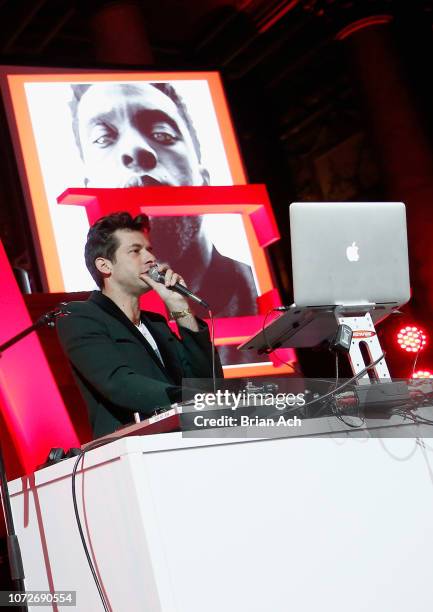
column 352, row 252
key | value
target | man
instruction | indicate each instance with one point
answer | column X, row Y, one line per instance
column 126, row 360
column 138, row 135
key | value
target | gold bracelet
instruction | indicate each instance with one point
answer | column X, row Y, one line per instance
column 179, row 314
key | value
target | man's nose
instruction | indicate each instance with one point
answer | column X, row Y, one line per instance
column 137, row 153
column 149, row 257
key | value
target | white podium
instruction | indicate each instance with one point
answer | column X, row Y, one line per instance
column 230, row 525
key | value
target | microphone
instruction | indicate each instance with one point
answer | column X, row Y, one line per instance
column 160, row 278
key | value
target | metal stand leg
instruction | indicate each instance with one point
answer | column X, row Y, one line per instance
column 364, row 333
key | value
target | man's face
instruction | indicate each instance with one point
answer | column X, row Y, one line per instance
column 132, row 258
column 134, row 136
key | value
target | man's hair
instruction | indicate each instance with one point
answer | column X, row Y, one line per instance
column 101, row 241
column 80, row 89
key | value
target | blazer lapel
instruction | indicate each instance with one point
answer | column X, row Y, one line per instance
column 110, row 307
column 166, row 345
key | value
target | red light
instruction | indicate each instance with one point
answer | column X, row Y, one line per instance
column 423, row 374
column 411, row 339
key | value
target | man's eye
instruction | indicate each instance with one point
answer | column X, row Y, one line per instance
column 103, row 136
column 166, row 138
column 102, row 140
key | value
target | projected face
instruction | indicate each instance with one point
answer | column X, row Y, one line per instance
column 136, row 136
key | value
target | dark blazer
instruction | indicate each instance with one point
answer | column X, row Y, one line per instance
column 118, row 372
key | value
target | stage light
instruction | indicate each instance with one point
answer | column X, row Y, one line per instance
column 423, row 374
column 411, row 339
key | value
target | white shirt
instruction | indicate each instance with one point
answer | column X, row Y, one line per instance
column 151, row 340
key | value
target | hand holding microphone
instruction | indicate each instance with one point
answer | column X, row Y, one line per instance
column 159, row 276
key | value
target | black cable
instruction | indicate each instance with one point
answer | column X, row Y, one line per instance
column 418, row 419
column 80, row 457
column 413, row 404
column 337, row 413
column 335, row 410
column 336, row 370
column 212, row 339
column 269, row 348
column 347, row 382
column 417, row 353
column 407, row 414
column 16, row 570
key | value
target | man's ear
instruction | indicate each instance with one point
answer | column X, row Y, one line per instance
column 103, row 265
column 205, row 175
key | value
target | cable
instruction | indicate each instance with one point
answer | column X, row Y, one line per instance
column 337, row 413
column 269, row 348
column 421, row 444
column 417, row 353
column 336, row 370
column 347, row 382
column 335, row 384
column 212, row 339
column 80, row 457
column 335, row 410
column 415, row 418
column 396, row 457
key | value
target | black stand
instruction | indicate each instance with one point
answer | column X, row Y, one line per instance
column 308, row 327
column 13, row 547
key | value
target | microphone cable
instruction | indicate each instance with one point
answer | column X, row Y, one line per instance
column 269, row 349
column 212, row 339
column 80, row 457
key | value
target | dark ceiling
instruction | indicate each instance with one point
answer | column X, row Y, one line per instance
column 189, row 31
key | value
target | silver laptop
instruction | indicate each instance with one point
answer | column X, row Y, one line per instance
column 349, row 253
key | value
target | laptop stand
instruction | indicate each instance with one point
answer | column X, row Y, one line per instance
column 309, row 327
column 364, row 335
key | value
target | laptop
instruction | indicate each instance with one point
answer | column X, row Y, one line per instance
column 349, row 253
